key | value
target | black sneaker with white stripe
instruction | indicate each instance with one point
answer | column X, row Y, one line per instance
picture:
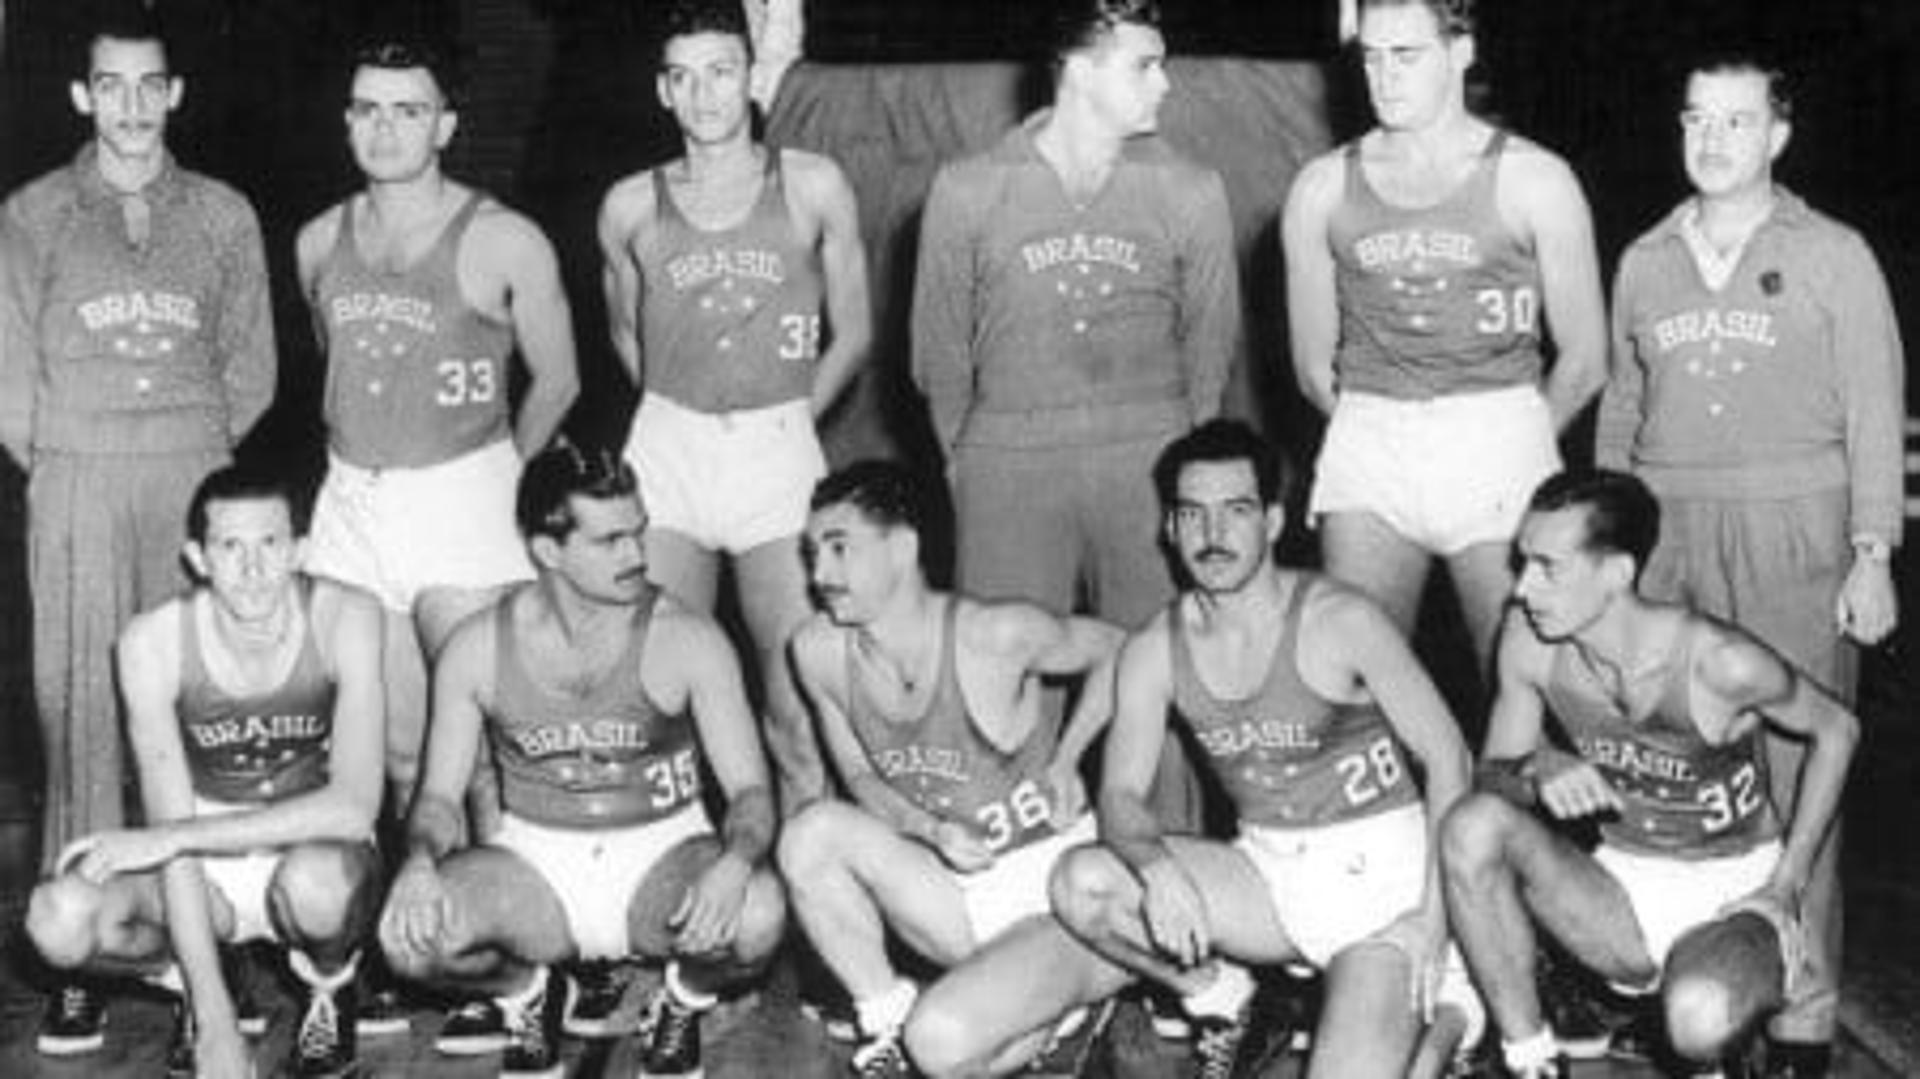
column 75, row 1021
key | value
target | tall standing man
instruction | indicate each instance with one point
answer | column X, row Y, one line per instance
column 423, row 289
column 137, row 351
column 254, row 709
column 1309, row 708
column 1424, row 260
column 1694, row 892
column 1076, row 306
column 737, row 292
column 1758, row 388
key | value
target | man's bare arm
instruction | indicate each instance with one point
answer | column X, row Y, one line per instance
column 1313, row 305
column 729, row 736
column 1516, row 728
column 460, row 677
column 1750, row 678
column 1549, row 199
column 148, row 658
column 1089, row 647
column 843, row 257
column 542, row 326
column 1144, row 689
column 627, row 204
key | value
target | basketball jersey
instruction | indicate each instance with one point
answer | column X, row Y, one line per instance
column 941, row 762
column 1288, row 757
column 1435, row 300
column 253, row 748
column 415, row 375
column 604, row 758
column 1684, row 797
column 730, row 318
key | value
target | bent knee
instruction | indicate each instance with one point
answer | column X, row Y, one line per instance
column 763, row 919
column 1701, row 1019
column 939, row 1040
column 812, row 840
column 316, row 885
column 60, row 921
column 1475, row 832
column 1086, row 883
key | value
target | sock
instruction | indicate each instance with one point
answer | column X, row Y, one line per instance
column 1532, row 1052
column 519, row 999
column 1223, row 997
column 691, row 999
column 168, row 978
column 887, row 1012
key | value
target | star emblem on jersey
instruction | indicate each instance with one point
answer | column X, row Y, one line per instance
column 146, row 341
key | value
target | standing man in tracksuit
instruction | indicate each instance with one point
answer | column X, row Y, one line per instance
column 136, row 348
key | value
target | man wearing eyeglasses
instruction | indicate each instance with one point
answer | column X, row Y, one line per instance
column 1757, row 388
column 136, row 348
column 423, row 290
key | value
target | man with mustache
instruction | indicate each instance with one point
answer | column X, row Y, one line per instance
column 965, row 792
column 601, row 700
column 1695, row 890
column 1309, row 708
column 136, row 350
column 1758, row 387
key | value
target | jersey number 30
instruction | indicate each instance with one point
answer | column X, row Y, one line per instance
column 1507, row 312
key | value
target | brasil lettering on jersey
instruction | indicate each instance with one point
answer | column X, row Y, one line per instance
column 1080, row 249
column 383, row 307
column 1386, row 250
column 256, row 730
column 1712, row 324
column 140, row 309
column 699, row 267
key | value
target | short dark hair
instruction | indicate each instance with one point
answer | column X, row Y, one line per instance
column 406, row 54
column 543, row 503
column 885, row 492
column 1222, row 440
column 1455, row 18
column 246, row 483
column 119, row 20
column 1082, row 24
column 1740, row 60
column 685, row 18
column 1622, row 515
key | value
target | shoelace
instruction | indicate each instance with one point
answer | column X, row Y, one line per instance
column 881, row 1057
column 1215, row 1048
column 319, row 1028
column 75, row 1002
column 671, row 1026
column 524, row 1025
